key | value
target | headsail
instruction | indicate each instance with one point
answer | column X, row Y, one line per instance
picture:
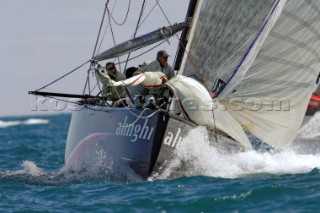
column 262, row 50
column 275, row 92
column 222, row 34
column 141, row 41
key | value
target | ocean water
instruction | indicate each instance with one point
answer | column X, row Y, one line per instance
column 32, row 178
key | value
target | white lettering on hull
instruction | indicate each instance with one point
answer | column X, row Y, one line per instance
column 135, row 131
column 173, row 140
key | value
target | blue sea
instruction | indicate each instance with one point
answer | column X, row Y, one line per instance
column 32, row 178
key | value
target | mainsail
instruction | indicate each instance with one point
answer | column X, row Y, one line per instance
column 266, row 56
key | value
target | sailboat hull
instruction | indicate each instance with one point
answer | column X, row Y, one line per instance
column 142, row 141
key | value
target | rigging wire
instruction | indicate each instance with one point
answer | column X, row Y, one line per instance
column 101, row 24
column 109, row 24
column 64, row 75
column 137, row 56
column 87, row 82
column 138, row 24
column 95, row 86
column 147, row 16
column 130, row 111
column 112, row 33
column 136, row 30
column 105, row 31
column 91, row 66
column 94, row 51
column 134, row 35
column 215, row 125
column 189, row 55
column 128, row 58
column 140, row 116
column 193, row 64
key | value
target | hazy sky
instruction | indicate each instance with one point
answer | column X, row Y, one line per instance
column 41, row 40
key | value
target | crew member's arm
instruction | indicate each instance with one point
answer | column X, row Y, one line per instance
column 103, row 77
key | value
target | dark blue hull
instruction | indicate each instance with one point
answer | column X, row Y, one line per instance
column 142, row 140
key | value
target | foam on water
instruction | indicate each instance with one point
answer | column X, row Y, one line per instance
column 31, row 121
column 195, row 154
column 201, row 159
column 32, row 174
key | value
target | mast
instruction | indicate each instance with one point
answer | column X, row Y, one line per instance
column 184, row 36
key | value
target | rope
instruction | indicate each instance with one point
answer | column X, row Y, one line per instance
column 138, row 116
column 148, row 15
column 95, row 48
column 166, row 38
column 134, row 36
column 112, row 118
column 136, row 30
column 124, row 21
column 132, row 123
column 105, row 31
column 111, row 85
column 101, row 24
column 132, row 59
column 189, row 55
column 143, row 52
column 112, row 33
column 97, row 84
column 127, row 108
column 193, row 64
column 215, row 126
column 87, row 82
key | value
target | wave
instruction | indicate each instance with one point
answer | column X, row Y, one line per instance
column 32, row 174
column 202, row 159
column 31, row 121
column 195, row 154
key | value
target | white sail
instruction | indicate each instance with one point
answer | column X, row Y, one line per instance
column 272, row 98
column 222, row 32
column 197, row 105
column 266, row 53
